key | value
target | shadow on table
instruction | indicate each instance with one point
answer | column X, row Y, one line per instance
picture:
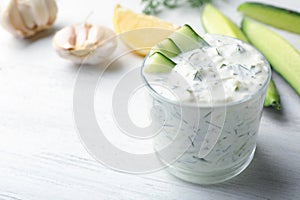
column 279, row 116
column 263, row 178
column 24, row 43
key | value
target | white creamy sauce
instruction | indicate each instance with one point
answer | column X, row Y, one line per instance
column 226, row 71
column 220, row 139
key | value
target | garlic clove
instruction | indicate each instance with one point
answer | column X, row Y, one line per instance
column 81, row 35
column 16, row 19
column 93, row 44
column 95, row 34
column 52, row 9
column 26, row 14
column 39, row 12
column 66, row 39
column 5, row 19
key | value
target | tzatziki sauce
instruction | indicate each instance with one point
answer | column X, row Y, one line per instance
column 211, row 102
column 232, row 68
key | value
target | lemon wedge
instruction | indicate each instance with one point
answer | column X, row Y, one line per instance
column 138, row 31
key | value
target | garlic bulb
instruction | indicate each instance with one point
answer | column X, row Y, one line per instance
column 85, row 43
column 24, row 18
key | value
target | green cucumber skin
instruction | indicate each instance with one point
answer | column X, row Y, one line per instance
column 182, row 40
column 186, row 39
column 184, row 35
column 272, row 97
column 288, row 69
column 168, row 48
column 162, row 59
column 159, row 63
column 275, row 16
column 197, row 37
column 235, row 30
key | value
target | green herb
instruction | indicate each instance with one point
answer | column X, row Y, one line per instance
column 223, row 65
column 258, row 72
column 198, row 76
column 189, row 91
column 153, row 7
column 242, row 66
column 236, row 88
column 191, row 140
column 215, row 125
column 218, row 52
column 201, row 159
column 208, row 114
column 240, row 49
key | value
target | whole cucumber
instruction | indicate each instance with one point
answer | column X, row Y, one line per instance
column 283, row 57
column 275, row 16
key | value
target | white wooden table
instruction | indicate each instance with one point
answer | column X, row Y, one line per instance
column 42, row 157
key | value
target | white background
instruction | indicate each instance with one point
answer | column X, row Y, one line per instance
column 41, row 156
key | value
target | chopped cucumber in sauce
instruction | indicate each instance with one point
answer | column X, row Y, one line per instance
column 187, row 39
column 167, row 47
column 158, row 63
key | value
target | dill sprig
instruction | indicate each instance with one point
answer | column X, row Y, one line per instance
column 153, row 7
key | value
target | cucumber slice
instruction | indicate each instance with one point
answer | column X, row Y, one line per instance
column 186, row 39
column 167, row 47
column 158, row 63
column 278, row 17
column 272, row 97
column 283, row 57
column 216, row 22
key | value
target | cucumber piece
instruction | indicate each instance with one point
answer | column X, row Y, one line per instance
column 186, row 39
column 272, row 96
column 166, row 47
column 278, row 17
column 283, row 57
column 158, row 63
column 214, row 21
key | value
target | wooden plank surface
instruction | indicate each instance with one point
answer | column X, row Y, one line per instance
column 42, row 157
